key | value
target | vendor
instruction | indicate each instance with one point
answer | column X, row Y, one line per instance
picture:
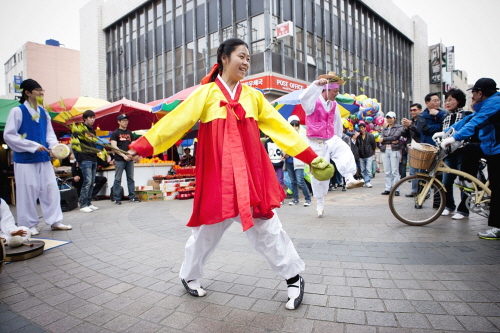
column 187, row 159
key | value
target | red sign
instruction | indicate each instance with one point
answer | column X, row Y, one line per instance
column 284, row 29
column 274, row 82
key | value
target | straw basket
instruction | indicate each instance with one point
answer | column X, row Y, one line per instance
column 422, row 158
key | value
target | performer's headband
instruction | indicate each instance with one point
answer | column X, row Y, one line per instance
column 332, row 85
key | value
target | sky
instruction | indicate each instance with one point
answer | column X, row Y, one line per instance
column 472, row 26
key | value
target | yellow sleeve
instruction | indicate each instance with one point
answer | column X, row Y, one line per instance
column 272, row 123
column 171, row 128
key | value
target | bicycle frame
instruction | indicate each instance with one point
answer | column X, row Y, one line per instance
column 479, row 195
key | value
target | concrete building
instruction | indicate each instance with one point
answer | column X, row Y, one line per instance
column 145, row 50
column 441, row 80
column 57, row 69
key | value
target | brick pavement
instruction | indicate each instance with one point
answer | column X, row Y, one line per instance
column 365, row 272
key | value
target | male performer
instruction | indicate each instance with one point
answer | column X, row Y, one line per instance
column 324, row 133
column 29, row 133
column 8, row 227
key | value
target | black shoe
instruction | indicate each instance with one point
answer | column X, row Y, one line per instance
column 293, row 304
column 396, row 193
column 118, row 202
column 95, row 198
column 385, row 193
column 411, row 195
column 344, row 189
column 135, row 199
column 194, row 292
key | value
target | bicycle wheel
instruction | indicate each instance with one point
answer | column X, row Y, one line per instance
column 406, row 208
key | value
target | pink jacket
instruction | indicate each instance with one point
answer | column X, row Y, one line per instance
column 320, row 122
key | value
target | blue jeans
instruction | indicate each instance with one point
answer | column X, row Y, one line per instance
column 297, row 179
column 128, row 166
column 414, row 184
column 89, row 169
column 366, row 165
column 454, row 161
column 391, row 159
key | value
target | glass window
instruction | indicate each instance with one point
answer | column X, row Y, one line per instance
column 213, row 43
column 227, row 33
column 159, row 13
column 299, row 39
column 310, row 43
column 328, row 52
column 168, row 65
column 259, row 46
column 242, row 30
column 258, row 28
column 159, row 69
column 134, row 78
column 201, row 54
column 189, row 57
column 150, row 72
column 178, row 62
column 142, row 71
column 141, row 24
column 150, row 17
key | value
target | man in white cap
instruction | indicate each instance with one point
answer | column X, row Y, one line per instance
column 29, row 133
column 324, row 133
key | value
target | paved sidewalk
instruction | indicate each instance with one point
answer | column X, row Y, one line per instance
column 365, row 272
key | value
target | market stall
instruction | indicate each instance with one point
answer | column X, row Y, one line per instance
column 143, row 172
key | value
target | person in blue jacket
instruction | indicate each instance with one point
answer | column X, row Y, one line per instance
column 486, row 120
column 430, row 121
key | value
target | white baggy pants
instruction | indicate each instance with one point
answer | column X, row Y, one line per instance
column 332, row 149
column 266, row 236
column 37, row 181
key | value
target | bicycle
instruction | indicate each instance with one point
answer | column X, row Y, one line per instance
column 429, row 202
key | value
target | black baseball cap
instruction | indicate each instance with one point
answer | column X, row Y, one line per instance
column 122, row 116
column 484, row 84
column 361, row 124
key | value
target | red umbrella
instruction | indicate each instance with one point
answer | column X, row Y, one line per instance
column 139, row 114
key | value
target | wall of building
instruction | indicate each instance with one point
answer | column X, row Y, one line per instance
column 379, row 41
column 57, row 69
column 92, row 46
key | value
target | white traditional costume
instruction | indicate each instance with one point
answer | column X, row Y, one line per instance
column 324, row 136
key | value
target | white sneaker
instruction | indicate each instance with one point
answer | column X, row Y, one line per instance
column 458, row 216
column 93, row 207
column 86, row 209
column 355, row 183
column 445, row 212
column 34, row 231
column 60, row 226
column 369, row 185
column 320, row 213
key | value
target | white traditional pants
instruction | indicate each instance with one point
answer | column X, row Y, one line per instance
column 266, row 236
column 332, row 149
column 37, row 181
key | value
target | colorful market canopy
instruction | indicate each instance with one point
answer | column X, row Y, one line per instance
column 73, row 106
column 5, row 106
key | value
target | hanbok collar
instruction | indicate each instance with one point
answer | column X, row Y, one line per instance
column 231, row 93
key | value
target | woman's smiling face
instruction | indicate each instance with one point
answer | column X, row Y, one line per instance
column 238, row 64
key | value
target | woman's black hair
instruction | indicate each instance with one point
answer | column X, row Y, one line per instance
column 226, row 48
column 458, row 95
column 295, row 123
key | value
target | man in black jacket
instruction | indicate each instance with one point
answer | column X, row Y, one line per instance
column 366, row 148
column 410, row 133
column 87, row 161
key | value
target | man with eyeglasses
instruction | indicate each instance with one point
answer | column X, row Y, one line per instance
column 486, row 120
column 411, row 133
column 29, row 133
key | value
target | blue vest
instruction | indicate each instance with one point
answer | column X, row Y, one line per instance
column 34, row 131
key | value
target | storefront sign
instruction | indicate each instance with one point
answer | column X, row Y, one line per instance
column 18, row 79
column 450, row 58
column 284, row 29
column 274, row 82
column 435, row 63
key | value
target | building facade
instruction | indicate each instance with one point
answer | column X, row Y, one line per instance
column 57, row 69
column 148, row 50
